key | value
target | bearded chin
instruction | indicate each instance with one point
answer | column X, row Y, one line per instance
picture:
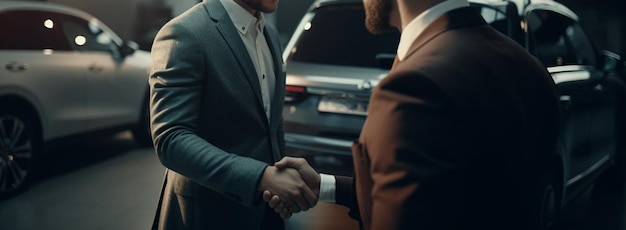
column 377, row 25
column 377, row 16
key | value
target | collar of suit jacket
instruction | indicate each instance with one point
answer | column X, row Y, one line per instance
column 241, row 18
column 419, row 23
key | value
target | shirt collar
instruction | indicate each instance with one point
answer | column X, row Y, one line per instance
column 242, row 19
column 419, row 23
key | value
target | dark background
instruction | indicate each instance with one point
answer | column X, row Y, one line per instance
column 139, row 20
column 604, row 20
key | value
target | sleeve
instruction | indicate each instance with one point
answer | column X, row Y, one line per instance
column 414, row 140
column 175, row 92
column 327, row 188
column 345, row 195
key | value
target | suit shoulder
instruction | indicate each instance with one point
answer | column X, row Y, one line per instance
column 415, row 84
column 192, row 19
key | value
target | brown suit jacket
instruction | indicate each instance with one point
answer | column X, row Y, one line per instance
column 456, row 133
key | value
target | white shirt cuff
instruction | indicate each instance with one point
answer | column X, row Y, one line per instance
column 327, row 188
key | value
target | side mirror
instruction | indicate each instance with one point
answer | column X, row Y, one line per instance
column 611, row 62
column 128, row 48
column 385, row 60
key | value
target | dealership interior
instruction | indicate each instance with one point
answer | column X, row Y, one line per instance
column 112, row 180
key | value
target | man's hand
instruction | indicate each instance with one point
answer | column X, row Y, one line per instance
column 290, row 187
column 274, row 202
column 308, row 174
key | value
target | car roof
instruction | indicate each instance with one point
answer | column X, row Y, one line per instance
column 43, row 6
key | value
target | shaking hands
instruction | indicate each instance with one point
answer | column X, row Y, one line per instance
column 290, row 186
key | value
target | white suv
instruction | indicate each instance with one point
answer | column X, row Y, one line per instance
column 63, row 73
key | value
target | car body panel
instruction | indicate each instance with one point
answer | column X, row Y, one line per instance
column 61, row 94
column 113, row 84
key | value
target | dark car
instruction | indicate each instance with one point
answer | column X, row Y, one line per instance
column 333, row 63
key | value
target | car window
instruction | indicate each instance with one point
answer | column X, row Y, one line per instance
column 337, row 36
column 581, row 45
column 558, row 40
column 31, row 30
column 495, row 18
column 84, row 35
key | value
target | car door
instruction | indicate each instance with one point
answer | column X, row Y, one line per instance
column 602, row 133
column 113, row 97
column 38, row 63
column 555, row 39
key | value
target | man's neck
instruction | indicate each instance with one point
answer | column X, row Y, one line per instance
column 247, row 7
column 410, row 9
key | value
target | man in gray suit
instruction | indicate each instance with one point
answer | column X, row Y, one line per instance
column 217, row 89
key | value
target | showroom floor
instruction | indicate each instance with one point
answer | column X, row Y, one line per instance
column 111, row 183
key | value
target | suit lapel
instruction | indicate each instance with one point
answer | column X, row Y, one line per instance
column 274, row 45
column 279, row 86
column 231, row 36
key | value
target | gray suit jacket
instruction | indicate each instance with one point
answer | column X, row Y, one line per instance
column 208, row 123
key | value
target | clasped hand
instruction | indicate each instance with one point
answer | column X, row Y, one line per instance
column 290, row 186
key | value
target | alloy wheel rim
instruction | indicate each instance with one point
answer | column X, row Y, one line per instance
column 15, row 153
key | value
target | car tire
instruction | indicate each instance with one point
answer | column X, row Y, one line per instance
column 20, row 146
column 141, row 132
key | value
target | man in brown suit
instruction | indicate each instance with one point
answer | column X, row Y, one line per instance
column 456, row 132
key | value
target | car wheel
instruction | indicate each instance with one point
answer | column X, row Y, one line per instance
column 141, row 132
column 19, row 147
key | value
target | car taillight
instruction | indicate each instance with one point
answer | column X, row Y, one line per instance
column 294, row 93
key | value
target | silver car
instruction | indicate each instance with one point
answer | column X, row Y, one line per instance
column 63, row 73
column 333, row 63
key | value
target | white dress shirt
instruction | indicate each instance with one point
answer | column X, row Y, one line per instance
column 419, row 23
column 250, row 29
column 409, row 34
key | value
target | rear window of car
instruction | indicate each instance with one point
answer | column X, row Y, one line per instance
column 337, row 36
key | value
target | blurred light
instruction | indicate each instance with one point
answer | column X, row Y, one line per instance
column 103, row 39
column 307, row 26
column 295, row 89
column 294, row 94
column 80, row 40
column 93, row 28
column 47, row 51
column 48, row 23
